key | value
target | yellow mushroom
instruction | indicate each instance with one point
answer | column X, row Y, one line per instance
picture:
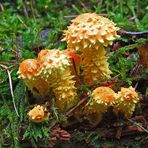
column 90, row 33
column 28, row 71
column 55, row 69
column 126, row 102
column 100, row 100
column 38, row 114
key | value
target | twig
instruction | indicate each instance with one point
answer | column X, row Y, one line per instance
column 73, row 16
column 130, row 33
column 1, row 6
column 22, row 22
column 135, row 123
column 96, row 84
column 75, row 107
column 31, row 6
column 136, row 85
column 11, row 88
column 70, row 16
column 24, row 8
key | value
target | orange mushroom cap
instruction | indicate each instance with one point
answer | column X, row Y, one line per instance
column 126, row 102
column 28, row 69
column 129, row 94
column 104, row 94
column 37, row 114
column 101, row 99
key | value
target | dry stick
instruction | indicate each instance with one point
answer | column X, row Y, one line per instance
column 22, row 22
column 1, row 6
column 70, row 16
column 24, row 8
column 75, row 107
column 31, row 6
column 130, row 33
column 135, row 123
column 11, row 88
column 73, row 16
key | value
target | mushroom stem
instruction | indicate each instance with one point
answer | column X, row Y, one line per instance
column 38, row 87
column 95, row 65
column 64, row 90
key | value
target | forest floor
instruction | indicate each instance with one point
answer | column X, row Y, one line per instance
column 26, row 27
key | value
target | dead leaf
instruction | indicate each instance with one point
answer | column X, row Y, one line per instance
column 143, row 54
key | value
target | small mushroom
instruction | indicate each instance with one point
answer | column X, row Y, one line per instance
column 100, row 100
column 28, row 71
column 126, row 102
column 90, row 33
column 55, row 69
column 38, row 114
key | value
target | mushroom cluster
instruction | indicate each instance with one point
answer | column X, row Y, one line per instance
column 57, row 71
column 91, row 33
column 104, row 97
column 51, row 70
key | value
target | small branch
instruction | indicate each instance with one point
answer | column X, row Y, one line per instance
column 70, row 16
column 22, row 22
column 130, row 33
column 11, row 88
column 31, row 6
column 135, row 123
column 75, row 107
column 107, row 82
column 24, row 8
column 73, row 16
column 1, row 6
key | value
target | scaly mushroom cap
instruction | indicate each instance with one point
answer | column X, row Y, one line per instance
column 75, row 60
column 52, row 63
column 129, row 94
column 37, row 114
column 28, row 69
column 101, row 99
column 90, row 30
column 127, row 99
